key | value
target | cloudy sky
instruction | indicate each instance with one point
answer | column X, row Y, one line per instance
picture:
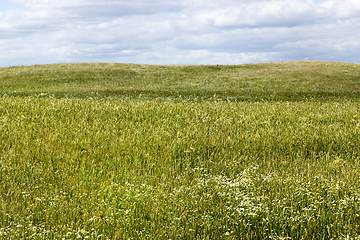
column 178, row 31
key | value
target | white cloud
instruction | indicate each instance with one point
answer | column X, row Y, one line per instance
column 342, row 8
column 260, row 14
column 171, row 32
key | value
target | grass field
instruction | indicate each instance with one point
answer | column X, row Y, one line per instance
column 124, row 151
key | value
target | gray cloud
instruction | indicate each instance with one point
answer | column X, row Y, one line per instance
column 171, row 32
column 113, row 9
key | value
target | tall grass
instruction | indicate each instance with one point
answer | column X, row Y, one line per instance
column 216, row 169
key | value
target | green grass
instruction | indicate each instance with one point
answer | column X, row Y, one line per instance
column 293, row 81
column 82, row 155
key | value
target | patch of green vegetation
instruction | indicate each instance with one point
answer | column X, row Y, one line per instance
column 120, row 151
column 294, row 81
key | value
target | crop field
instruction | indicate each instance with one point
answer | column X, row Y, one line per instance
column 125, row 151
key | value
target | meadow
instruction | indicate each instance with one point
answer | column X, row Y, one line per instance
column 126, row 151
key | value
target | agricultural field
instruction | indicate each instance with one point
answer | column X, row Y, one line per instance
column 126, row 151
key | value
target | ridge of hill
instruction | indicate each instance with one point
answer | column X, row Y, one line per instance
column 282, row 81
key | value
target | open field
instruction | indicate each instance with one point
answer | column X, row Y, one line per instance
column 120, row 151
column 293, row 81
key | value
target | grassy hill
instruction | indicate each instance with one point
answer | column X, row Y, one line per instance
column 125, row 151
column 292, row 81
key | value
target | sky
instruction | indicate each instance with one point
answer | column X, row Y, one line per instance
column 178, row 31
